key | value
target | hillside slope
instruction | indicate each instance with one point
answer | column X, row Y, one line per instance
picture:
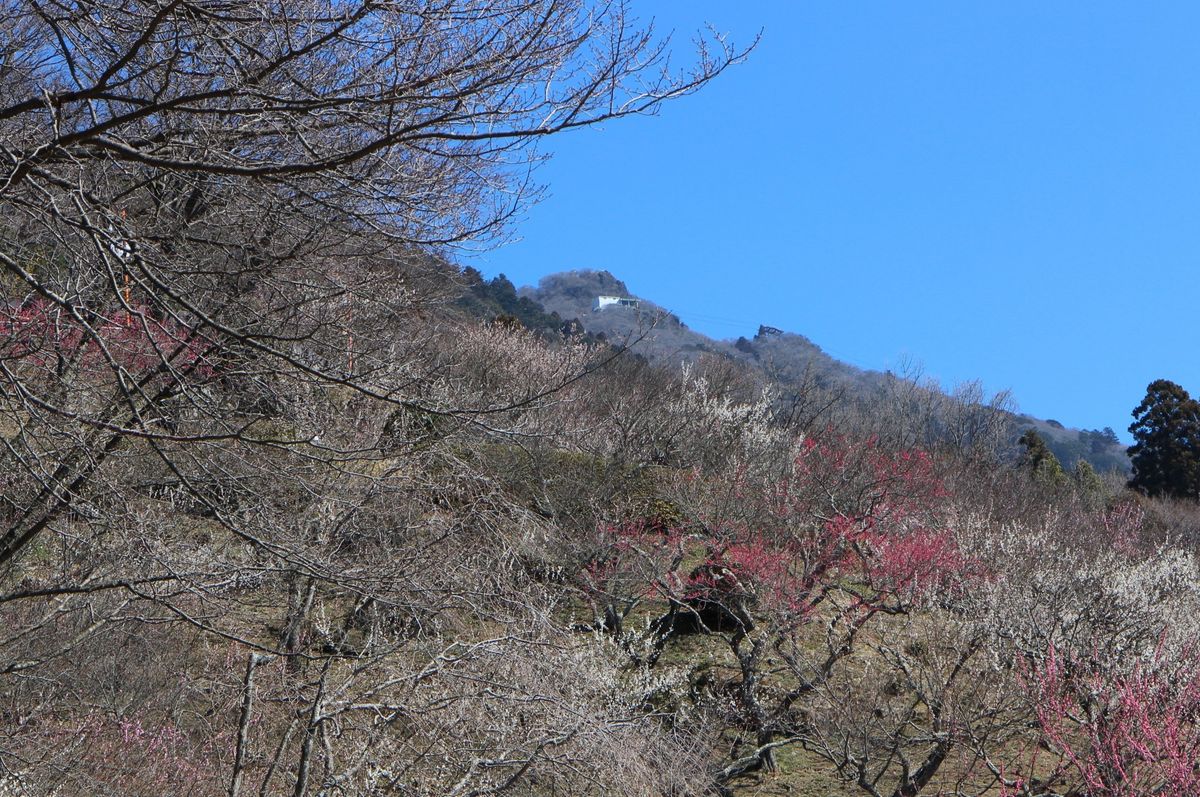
column 659, row 334
column 786, row 358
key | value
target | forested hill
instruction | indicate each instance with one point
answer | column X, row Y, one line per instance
column 783, row 357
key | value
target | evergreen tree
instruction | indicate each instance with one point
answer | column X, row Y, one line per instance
column 1166, row 449
column 1088, row 485
column 1086, row 478
column 1039, row 459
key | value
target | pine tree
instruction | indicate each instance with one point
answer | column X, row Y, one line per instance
column 1166, row 449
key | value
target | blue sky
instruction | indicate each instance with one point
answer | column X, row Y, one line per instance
column 1005, row 191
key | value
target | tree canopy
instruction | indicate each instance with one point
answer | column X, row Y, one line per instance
column 1040, row 460
column 1166, row 450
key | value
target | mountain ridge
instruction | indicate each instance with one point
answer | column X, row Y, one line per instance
column 782, row 356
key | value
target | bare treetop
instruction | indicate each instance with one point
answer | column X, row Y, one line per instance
column 201, row 202
column 414, row 117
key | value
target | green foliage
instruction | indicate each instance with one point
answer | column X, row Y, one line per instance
column 1096, row 441
column 1086, row 478
column 1040, row 460
column 1100, row 447
column 1088, row 485
column 498, row 299
column 1166, row 449
column 661, row 515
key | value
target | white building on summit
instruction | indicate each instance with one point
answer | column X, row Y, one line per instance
column 605, row 301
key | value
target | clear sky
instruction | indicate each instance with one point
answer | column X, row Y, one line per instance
column 1003, row 191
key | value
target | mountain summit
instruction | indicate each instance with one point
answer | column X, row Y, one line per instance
column 785, row 358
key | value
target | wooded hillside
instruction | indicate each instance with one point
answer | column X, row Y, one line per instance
column 281, row 514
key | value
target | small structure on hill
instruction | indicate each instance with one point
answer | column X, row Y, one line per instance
column 764, row 330
column 608, row 301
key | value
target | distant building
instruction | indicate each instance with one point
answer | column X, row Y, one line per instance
column 620, row 301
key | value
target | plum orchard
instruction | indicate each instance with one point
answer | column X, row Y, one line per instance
column 274, row 521
column 396, row 608
column 850, row 534
column 865, row 623
column 1118, row 734
column 244, row 547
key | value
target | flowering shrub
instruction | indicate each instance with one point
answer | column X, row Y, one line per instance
column 788, row 570
column 923, row 563
column 50, row 338
column 744, row 430
column 1123, row 734
column 855, row 517
column 629, row 563
column 860, row 521
column 135, row 756
column 1098, row 596
column 1097, row 630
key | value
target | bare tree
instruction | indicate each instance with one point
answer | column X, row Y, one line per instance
column 229, row 171
column 247, row 541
